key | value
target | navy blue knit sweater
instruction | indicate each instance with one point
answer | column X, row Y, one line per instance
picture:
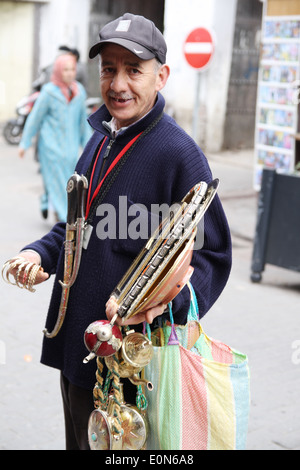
column 162, row 167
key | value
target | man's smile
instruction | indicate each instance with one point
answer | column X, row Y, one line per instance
column 120, row 98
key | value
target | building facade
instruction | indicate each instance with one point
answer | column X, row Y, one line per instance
column 225, row 119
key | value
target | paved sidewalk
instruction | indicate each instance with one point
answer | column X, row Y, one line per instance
column 30, row 404
column 261, row 320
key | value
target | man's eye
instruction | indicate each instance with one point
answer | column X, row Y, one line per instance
column 134, row 71
column 107, row 71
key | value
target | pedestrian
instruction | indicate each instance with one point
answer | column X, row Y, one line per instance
column 59, row 121
column 46, row 72
column 161, row 165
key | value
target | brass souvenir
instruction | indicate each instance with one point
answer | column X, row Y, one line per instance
column 135, row 353
column 101, row 433
column 163, row 268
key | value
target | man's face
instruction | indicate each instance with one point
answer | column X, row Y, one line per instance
column 129, row 85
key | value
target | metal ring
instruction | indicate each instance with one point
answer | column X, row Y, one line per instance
column 17, row 278
column 32, row 277
column 11, row 264
column 3, row 269
column 26, row 273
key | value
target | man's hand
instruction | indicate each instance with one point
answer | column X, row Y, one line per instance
column 32, row 258
column 147, row 315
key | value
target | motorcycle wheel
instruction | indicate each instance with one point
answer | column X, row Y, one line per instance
column 12, row 133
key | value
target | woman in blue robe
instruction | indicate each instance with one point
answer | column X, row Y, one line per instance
column 59, row 120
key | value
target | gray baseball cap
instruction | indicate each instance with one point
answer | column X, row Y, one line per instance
column 137, row 34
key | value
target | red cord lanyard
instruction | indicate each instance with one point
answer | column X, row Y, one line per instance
column 112, row 165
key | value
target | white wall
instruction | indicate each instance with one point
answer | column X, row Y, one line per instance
column 180, row 19
column 16, row 52
column 63, row 22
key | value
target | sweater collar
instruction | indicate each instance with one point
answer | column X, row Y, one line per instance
column 101, row 116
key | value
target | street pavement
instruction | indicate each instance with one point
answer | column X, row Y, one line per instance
column 261, row 320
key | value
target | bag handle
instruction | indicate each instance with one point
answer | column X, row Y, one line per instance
column 193, row 315
column 173, row 339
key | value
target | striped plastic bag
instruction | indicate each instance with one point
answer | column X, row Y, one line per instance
column 200, row 399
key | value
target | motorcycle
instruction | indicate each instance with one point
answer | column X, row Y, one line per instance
column 13, row 129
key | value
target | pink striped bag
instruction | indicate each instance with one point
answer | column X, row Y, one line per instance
column 200, row 399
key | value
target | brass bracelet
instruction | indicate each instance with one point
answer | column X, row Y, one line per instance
column 26, row 274
column 32, row 277
column 27, row 270
column 20, row 269
column 11, row 264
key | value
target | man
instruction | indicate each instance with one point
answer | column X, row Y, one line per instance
column 139, row 152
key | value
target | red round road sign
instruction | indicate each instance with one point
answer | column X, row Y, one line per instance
column 199, row 48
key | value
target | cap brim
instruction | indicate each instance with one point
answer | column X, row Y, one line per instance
column 131, row 46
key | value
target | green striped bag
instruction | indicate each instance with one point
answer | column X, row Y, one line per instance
column 200, row 399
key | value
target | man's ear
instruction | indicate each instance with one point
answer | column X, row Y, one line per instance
column 162, row 77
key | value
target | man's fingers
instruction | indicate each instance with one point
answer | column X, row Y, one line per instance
column 111, row 307
column 41, row 277
column 148, row 315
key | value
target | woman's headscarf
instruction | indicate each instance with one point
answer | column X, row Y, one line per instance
column 71, row 90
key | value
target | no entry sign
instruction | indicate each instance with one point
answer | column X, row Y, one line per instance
column 199, row 48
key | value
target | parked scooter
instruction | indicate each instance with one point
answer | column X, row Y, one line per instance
column 13, row 129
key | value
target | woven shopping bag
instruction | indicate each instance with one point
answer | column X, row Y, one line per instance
column 200, row 399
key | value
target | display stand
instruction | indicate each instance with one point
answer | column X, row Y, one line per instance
column 277, row 95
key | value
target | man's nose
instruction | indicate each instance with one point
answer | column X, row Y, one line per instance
column 119, row 82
